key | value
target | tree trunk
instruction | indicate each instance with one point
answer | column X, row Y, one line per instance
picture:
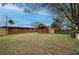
column 74, row 33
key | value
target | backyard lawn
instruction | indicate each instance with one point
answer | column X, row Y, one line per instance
column 35, row 43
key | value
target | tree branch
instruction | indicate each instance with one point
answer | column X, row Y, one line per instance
column 65, row 13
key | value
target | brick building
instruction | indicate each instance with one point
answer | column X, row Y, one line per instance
column 41, row 28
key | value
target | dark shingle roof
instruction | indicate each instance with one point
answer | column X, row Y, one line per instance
column 19, row 26
column 41, row 25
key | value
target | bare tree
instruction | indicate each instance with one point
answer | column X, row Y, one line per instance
column 71, row 11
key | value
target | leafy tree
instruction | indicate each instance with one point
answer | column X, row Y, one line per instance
column 11, row 22
column 3, row 4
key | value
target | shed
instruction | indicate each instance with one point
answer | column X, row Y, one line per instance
column 41, row 28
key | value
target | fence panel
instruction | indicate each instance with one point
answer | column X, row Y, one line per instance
column 2, row 31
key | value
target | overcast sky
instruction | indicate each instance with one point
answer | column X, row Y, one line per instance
column 24, row 19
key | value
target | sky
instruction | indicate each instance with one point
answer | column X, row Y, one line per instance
column 21, row 18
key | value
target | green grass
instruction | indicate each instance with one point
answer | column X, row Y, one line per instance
column 35, row 43
column 57, row 37
column 45, row 36
column 8, row 37
column 76, row 50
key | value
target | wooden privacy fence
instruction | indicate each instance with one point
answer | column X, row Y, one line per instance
column 14, row 30
column 2, row 31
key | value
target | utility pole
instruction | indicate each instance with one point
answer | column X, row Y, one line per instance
column 6, row 25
